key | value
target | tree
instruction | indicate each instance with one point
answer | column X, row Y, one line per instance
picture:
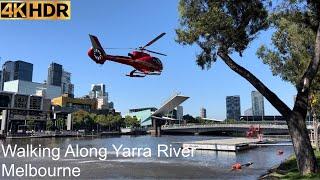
column 101, row 120
column 221, row 28
column 293, row 49
column 83, row 120
column 61, row 124
column 116, row 121
column 30, row 125
column 231, row 121
column 189, row 118
column 131, row 121
column 202, row 121
column 49, row 125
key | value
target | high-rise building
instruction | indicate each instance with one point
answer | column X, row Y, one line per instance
column 102, row 103
column 55, row 74
column 180, row 113
column 23, row 71
column 257, row 103
column 7, row 71
column 111, row 105
column 16, row 70
column 233, row 107
column 66, row 86
column 98, row 91
column 203, row 113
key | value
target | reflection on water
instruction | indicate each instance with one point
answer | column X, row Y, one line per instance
column 204, row 164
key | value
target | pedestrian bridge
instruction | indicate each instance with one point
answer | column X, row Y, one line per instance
column 267, row 128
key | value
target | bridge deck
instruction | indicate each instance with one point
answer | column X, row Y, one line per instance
column 226, row 144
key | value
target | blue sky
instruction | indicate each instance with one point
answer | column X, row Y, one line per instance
column 131, row 23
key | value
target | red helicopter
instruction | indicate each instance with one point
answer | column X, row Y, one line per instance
column 143, row 63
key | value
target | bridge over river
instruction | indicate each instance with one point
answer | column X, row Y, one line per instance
column 266, row 127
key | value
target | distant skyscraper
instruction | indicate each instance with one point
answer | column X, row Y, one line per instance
column 233, row 107
column 58, row 77
column 66, row 86
column 16, row 70
column 179, row 113
column 23, row 71
column 55, row 74
column 98, row 91
column 257, row 103
column 111, row 105
column 7, row 72
column 203, row 113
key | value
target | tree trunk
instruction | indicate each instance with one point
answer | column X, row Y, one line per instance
column 295, row 118
column 306, row 160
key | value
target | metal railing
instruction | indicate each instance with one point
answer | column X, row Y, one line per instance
column 188, row 126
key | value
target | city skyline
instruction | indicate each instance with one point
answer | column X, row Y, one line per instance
column 99, row 91
column 180, row 70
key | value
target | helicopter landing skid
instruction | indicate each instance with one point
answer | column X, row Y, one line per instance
column 135, row 73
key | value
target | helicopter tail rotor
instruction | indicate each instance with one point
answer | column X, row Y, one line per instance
column 97, row 52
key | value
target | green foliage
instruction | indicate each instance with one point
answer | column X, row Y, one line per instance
column 189, row 119
column 203, row 121
column 102, row 120
column 49, row 125
column 89, row 121
column 292, row 50
column 30, row 125
column 289, row 170
column 83, row 120
column 292, row 43
column 61, row 124
column 131, row 121
column 226, row 27
column 217, row 25
column 230, row 121
column 315, row 103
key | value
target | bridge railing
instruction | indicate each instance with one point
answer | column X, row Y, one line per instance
column 234, row 124
column 223, row 125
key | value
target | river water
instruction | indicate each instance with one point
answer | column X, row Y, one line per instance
column 203, row 165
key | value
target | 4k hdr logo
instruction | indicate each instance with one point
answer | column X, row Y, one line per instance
column 35, row 10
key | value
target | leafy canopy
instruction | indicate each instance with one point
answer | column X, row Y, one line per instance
column 131, row 121
column 216, row 25
column 293, row 42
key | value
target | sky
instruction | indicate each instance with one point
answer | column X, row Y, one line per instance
column 132, row 23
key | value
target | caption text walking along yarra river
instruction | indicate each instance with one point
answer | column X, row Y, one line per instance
column 111, row 164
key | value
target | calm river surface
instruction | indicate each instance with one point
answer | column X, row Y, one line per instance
column 204, row 164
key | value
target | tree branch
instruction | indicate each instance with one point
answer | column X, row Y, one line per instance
column 313, row 67
column 265, row 91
